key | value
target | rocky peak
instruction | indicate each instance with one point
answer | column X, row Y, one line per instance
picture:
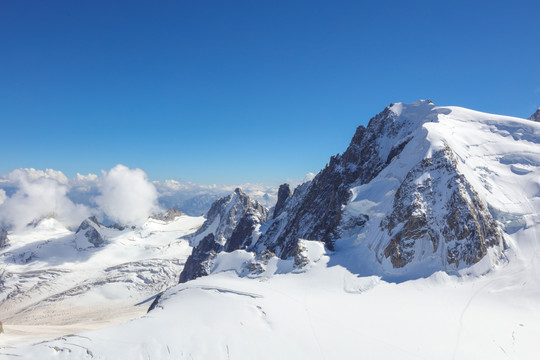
column 89, row 234
column 314, row 211
column 535, row 116
column 199, row 263
column 4, row 241
column 458, row 233
column 169, row 216
column 427, row 212
column 284, row 193
column 225, row 214
column 232, row 223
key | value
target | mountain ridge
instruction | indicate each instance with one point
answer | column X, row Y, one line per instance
column 434, row 214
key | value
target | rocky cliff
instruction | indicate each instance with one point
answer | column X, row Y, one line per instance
column 4, row 241
column 232, row 223
column 284, row 193
column 535, row 116
column 437, row 211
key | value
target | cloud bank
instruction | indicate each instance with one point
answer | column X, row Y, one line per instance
column 37, row 194
column 121, row 195
column 127, row 196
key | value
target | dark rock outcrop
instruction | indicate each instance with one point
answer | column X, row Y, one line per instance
column 284, row 193
column 244, row 235
column 260, row 262
column 199, row 263
column 535, row 116
column 89, row 234
column 4, row 240
column 231, row 224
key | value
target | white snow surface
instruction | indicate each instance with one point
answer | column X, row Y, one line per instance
column 346, row 304
column 323, row 313
column 52, row 284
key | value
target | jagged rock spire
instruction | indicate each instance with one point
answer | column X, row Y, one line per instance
column 4, row 240
column 535, row 116
column 225, row 214
column 284, row 193
column 232, row 223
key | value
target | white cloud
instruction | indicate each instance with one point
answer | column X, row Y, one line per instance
column 39, row 193
column 33, row 174
column 309, row 176
column 121, row 195
column 84, row 179
column 127, row 196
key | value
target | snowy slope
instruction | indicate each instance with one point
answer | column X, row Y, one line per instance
column 323, row 313
column 49, row 279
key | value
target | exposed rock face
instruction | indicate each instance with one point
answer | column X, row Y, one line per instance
column 314, row 211
column 89, row 234
column 199, row 263
column 169, row 216
column 284, row 193
column 232, row 223
column 4, row 241
column 258, row 266
column 244, row 234
column 436, row 210
column 535, row 116
column 226, row 213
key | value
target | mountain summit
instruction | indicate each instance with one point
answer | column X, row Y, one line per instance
column 535, row 116
column 421, row 188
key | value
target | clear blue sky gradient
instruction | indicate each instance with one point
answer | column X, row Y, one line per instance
column 244, row 91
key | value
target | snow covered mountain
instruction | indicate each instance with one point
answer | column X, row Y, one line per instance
column 429, row 212
column 232, row 223
column 419, row 241
column 408, row 197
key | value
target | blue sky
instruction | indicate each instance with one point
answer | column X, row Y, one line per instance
column 243, row 91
